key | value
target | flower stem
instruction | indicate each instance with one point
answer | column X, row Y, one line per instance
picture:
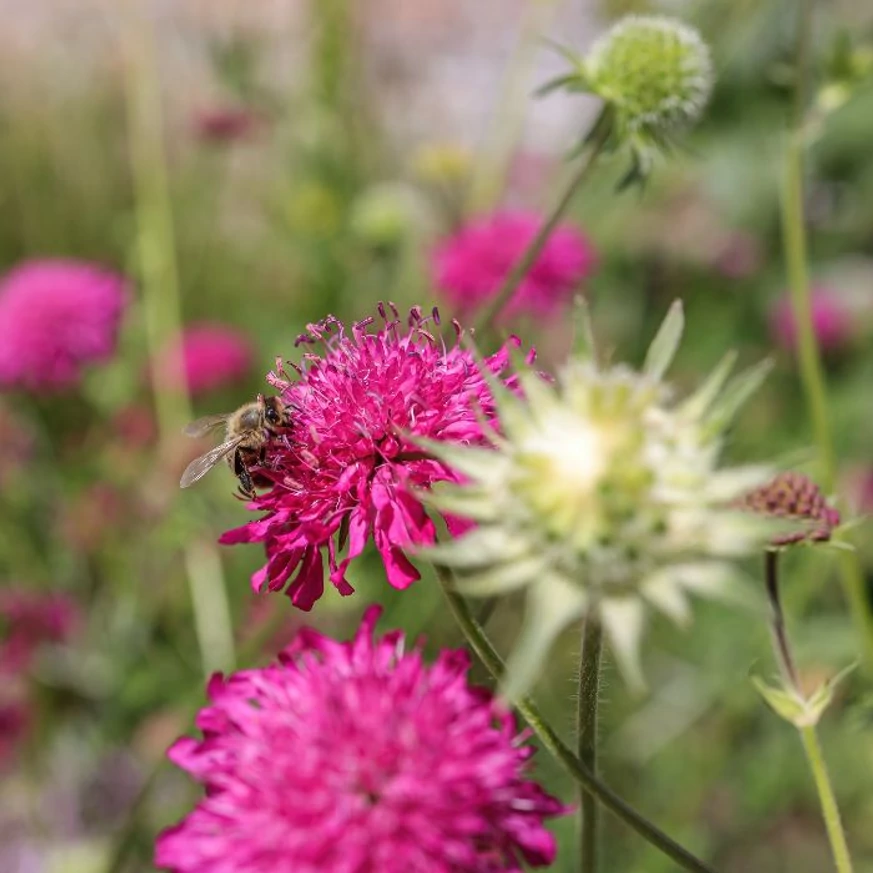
column 812, row 377
column 492, row 661
column 516, row 275
column 809, row 358
column 502, row 139
column 830, row 811
column 159, row 279
column 777, row 621
column 808, row 734
column 586, row 734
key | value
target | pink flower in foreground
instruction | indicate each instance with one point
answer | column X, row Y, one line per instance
column 55, row 317
column 469, row 267
column 211, row 356
column 345, row 471
column 831, row 322
column 360, row 757
column 28, row 619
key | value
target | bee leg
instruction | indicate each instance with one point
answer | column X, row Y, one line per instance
column 246, row 486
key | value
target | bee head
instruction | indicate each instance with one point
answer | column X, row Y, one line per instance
column 275, row 412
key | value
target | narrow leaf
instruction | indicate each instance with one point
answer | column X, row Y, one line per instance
column 666, row 342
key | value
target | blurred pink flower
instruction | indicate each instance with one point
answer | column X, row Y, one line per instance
column 738, row 255
column 226, row 124
column 345, row 471
column 28, row 619
column 211, row 356
column 15, row 718
column 469, row 267
column 55, row 317
column 831, row 321
column 358, row 756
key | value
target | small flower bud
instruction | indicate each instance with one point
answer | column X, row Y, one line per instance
column 793, row 496
column 655, row 71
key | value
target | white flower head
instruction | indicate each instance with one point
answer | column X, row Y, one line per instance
column 601, row 493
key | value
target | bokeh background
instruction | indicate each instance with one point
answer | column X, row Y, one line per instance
column 253, row 166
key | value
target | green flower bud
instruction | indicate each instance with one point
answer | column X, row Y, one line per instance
column 656, row 72
column 384, row 214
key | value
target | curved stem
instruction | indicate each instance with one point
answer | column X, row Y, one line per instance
column 829, row 809
column 777, row 621
column 586, row 734
column 552, row 742
column 537, row 244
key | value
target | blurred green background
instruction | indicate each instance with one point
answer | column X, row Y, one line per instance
column 314, row 153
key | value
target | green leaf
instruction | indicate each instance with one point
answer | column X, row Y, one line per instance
column 821, row 699
column 570, row 81
column 786, row 704
column 738, row 391
column 700, row 401
column 666, row 342
column 584, row 344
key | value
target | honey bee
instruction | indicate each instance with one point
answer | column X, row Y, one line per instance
column 247, row 431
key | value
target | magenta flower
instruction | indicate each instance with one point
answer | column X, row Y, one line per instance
column 831, row 322
column 55, row 317
column 346, row 469
column 15, row 720
column 358, row 757
column 469, row 267
column 211, row 356
column 28, row 619
column 226, row 124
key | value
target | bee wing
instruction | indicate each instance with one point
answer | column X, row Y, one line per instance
column 202, row 426
column 199, row 467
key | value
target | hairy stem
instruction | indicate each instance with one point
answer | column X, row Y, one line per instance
column 492, row 661
column 586, row 734
column 528, row 259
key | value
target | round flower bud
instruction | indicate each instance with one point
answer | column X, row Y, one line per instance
column 655, row 71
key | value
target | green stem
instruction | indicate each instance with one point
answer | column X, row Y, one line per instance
column 782, row 648
column 830, row 811
column 586, row 734
column 812, row 376
column 486, row 653
column 527, row 260
column 163, row 311
column 512, row 105
column 809, row 359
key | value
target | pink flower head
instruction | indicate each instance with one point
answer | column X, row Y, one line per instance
column 831, row 322
column 226, row 124
column 360, row 757
column 211, row 356
column 28, row 619
column 55, row 317
column 470, row 267
column 346, row 469
column 797, row 498
column 15, row 719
